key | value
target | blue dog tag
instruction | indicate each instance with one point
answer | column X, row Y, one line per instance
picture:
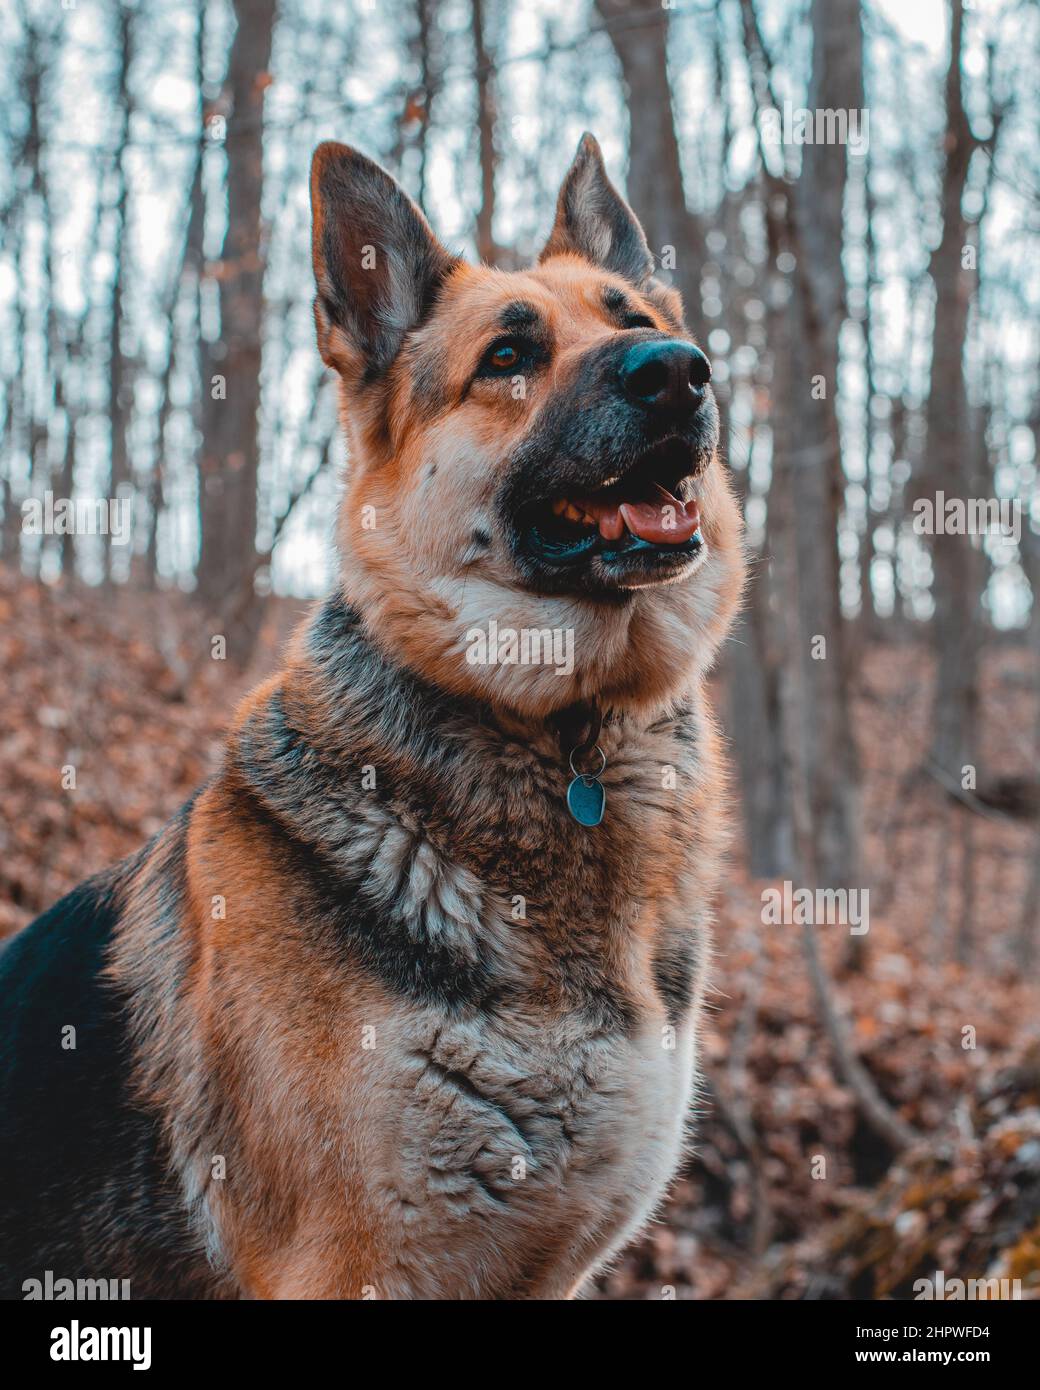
column 586, row 800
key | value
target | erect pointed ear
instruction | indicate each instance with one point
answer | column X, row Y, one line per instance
column 594, row 221
column 377, row 264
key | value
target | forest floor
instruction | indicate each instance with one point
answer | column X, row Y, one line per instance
column 786, row 1193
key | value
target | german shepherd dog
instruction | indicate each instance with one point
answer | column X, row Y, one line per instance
column 404, row 1003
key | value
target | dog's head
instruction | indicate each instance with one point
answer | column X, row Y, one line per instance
column 529, row 451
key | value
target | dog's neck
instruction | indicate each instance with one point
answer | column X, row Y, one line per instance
column 372, row 702
column 637, row 654
column 349, row 753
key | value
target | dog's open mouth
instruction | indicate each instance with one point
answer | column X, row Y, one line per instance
column 641, row 514
column 610, row 520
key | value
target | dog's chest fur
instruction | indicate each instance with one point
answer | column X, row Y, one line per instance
column 542, row 1125
column 450, row 1031
column 515, row 995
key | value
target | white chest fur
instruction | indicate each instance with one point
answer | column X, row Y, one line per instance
column 522, row 1155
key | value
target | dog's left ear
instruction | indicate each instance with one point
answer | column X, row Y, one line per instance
column 594, row 221
column 377, row 265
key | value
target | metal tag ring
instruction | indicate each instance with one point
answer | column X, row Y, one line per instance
column 588, row 776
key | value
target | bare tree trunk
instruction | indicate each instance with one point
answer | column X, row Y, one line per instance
column 230, row 449
column 655, row 180
column 425, row 10
column 51, row 345
column 900, row 428
column 955, row 585
column 191, row 253
column 941, row 900
column 118, row 376
column 66, row 474
column 1029, row 915
column 487, row 250
column 806, row 218
column 822, row 655
column 966, row 920
column 820, row 768
column 73, row 350
column 14, row 422
column 754, row 673
column 876, row 1111
column 35, row 421
column 869, row 624
column 190, row 266
column 755, row 658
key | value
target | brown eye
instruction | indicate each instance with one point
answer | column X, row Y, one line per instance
column 507, row 356
column 504, row 357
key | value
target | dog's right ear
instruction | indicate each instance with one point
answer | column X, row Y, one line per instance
column 377, row 265
column 594, row 221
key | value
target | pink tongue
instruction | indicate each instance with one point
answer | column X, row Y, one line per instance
column 664, row 520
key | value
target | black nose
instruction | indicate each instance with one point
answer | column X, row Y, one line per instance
column 665, row 377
